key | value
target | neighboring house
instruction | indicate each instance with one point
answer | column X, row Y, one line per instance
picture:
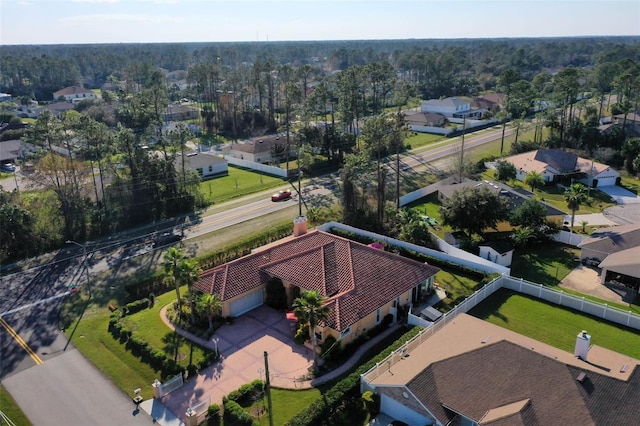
column 205, row 164
column 12, row 150
column 172, row 126
column 498, row 251
column 631, row 124
column 418, row 121
column 516, row 199
column 489, row 101
column 74, row 94
column 471, row 372
column 5, row 97
column 262, row 149
column 175, row 112
column 616, row 249
column 450, row 107
column 556, row 164
column 362, row 284
column 56, row 108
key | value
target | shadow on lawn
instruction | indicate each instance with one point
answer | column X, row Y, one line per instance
column 491, row 305
column 544, row 263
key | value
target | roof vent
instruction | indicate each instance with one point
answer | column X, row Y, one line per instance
column 581, row 377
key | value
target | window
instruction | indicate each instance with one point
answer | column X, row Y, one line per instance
column 345, row 332
column 318, row 336
column 210, row 168
column 378, row 312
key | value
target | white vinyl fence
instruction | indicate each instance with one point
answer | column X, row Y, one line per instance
column 599, row 310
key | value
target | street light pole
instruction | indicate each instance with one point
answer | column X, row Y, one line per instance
column 85, row 261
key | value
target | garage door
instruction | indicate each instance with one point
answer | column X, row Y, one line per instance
column 246, row 303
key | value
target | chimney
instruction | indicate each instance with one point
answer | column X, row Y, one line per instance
column 583, row 342
column 299, row 226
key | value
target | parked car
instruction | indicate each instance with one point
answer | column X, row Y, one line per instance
column 8, row 167
column 166, row 238
column 591, row 261
column 281, row 195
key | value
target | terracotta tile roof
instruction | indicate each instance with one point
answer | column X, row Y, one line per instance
column 356, row 278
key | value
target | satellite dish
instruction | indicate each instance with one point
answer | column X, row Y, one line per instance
column 406, row 395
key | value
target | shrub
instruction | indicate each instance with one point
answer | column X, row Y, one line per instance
column 330, row 352
column 302, row 334
column 234, row 414
column 322, row 410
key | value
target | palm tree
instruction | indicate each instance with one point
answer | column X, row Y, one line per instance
column 310, row 308
column 575, row 195
column 210, row 305
column 189, row 272
column 172, row 260
column 533, row 179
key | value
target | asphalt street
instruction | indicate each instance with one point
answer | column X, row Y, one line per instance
column 68, row 390
column 35, row 355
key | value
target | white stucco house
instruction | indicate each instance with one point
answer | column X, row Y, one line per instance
column 206, row 165
column 74, row 94
column 553, row 164
column 450, row 108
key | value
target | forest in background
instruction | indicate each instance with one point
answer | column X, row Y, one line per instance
column 330, row 99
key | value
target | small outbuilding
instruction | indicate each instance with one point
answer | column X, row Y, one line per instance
column 499, row 251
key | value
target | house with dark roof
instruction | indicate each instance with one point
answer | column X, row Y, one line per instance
column 74, row 94
column 556, row 164
column 630, row 122
column 362, row 284
column 515, row 199
column 471, row 372
column 616, row 249
column 177, row 112
column 489, row 101
column 497, row 251
column 12, row 150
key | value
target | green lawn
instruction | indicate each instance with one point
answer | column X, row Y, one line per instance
column 544, row 263
column 238, row 183
column 286, row 404
column 10, row 409
column 148, row 325
column 458, row 287
column 552, row 324
column 126, row 371
column 418, row 140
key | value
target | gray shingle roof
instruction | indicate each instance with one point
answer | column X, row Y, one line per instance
column 504, row 373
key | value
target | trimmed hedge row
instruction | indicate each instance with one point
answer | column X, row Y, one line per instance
column 243, row 394
column 156, row 358
column 320, row 411
column 234, row 414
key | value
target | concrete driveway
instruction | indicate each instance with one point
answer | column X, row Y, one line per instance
column 242, row 346
column 620, row 195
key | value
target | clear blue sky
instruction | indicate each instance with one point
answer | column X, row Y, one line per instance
column 124, row 21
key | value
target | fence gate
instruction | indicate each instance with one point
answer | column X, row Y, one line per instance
column 171, row 385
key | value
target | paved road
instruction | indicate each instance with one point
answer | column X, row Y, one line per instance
column 69, row 390
column 30, row 300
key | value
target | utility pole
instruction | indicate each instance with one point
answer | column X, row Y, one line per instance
column 267, row 387
column 464, row 125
